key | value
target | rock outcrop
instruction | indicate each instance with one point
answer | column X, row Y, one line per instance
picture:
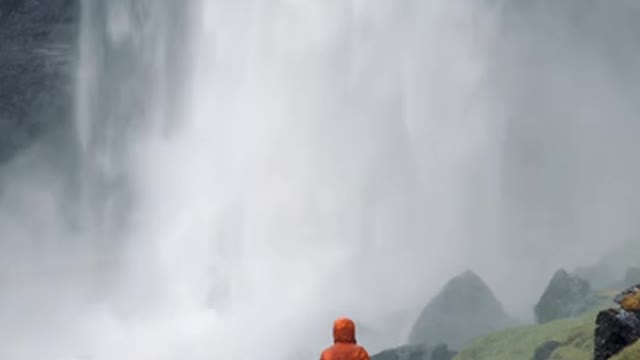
column 465, row 308
column 566, row 296
column 416, row 352
column 618, row 327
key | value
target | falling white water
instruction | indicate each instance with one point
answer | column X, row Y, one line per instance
column 266, row 168
column 247, row 170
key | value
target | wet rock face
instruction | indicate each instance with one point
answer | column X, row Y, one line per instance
column 37, row 41
column 618, row 327
column 566, row 296
column 416, row 352
column 465, row 308
column 615, row 330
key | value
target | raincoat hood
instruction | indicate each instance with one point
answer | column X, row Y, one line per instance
column 344, row 331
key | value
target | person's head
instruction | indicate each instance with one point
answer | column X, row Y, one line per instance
column 344, row 331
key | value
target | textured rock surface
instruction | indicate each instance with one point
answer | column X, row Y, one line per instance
column 618, row 327
column 566, row 296
column 615, row 330
column 465, row 308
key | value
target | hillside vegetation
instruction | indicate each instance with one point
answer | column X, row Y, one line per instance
column 574, row 335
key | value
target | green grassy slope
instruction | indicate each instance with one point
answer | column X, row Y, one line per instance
column 630, row 353
column 575, row 336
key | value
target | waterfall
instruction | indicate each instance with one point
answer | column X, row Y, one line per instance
column 240, row 172
column 259, row 163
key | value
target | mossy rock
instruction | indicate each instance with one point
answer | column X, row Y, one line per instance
column 631, row 302
column 567, row 295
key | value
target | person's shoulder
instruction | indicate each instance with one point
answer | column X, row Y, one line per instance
column 362, row 352
column 328, row 353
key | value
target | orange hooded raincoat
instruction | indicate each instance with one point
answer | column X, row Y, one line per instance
column 344, row 343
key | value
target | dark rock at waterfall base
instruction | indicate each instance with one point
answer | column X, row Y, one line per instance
column 37, row 49
column 416, row 352
column 566, row 296
column 465, row 308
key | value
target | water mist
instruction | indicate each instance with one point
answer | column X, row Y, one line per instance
column 245, row 171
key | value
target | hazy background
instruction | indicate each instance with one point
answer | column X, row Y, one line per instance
column 222, row 178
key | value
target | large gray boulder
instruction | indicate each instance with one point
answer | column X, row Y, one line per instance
column 465, row 308
column 566, row 296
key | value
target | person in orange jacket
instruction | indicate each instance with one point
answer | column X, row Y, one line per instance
column 345, row 346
